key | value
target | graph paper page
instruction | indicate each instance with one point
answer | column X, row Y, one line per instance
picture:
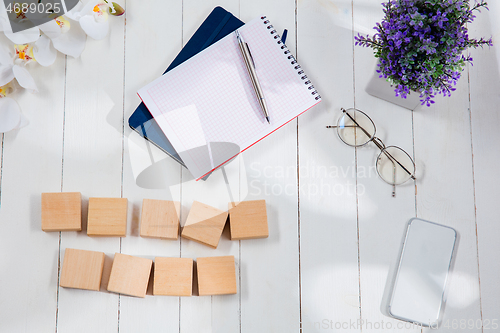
column 207, row 106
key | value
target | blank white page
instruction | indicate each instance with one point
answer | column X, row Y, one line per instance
column 207, row 106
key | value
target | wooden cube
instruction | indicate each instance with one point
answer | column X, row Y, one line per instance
column 61, row 211
column 173, row 276
column 129, row 275
column 204, row 224
column 248, row 220
column 107, row 217
column 160, row 219
column 216, row 275
column 82, row 269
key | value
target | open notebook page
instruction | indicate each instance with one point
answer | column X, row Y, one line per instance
column 207, row 106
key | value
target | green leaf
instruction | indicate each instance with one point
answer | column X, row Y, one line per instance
column 115, row 9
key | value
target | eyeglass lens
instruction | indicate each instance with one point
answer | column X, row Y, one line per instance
column 355, row 128
column 394, row 165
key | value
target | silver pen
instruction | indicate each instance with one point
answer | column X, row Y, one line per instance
column 247, row 56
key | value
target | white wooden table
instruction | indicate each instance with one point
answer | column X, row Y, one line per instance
column 334, row 229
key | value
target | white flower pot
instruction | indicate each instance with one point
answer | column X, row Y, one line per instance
column 382, row 89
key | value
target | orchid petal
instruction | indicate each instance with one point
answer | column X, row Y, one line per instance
column 72, row 42
column 4, row 21
column 10, row 114
column 24, row 78
column 6, row 62
column 23, row 122
column 51, row 29
column 24, row 37
column 43, row 51
column 96, row 30
column 76, row 12
column 89, row 7
column 6, row 75
column 5, row 57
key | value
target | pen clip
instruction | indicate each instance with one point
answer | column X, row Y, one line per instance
column 250, row 54
column 283, row 37
column 245, row 45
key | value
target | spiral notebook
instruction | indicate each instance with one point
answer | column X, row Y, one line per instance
column 217, row 25
column 207, row 106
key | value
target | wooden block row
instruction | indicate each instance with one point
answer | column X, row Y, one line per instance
column 159, row 218
column 108, row 216
column 63, row 212
column 174, row 276
column 247, row 220
column 130, row 275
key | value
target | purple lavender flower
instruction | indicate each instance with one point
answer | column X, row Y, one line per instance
column 420, row 45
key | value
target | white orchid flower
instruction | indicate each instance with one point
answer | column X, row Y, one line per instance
column 14, row 67
column 11, row 117
column 58, row 34
column 93, row 16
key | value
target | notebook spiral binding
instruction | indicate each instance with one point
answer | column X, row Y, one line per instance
column 303, row 77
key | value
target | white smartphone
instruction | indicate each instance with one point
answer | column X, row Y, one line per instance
column 424, row 266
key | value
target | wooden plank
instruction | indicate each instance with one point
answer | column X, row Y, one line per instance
column 1, row 164
column 382, row 218
column 445, row 194
column 31, row 165
column 216, row 313
column 93, row 147
column 269, row 172
column 484, row 99
column 327, row 182
column 148, row 172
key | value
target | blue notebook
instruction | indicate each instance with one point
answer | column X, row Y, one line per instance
column 216, row 26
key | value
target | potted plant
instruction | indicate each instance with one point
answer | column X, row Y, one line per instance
column 420, row 44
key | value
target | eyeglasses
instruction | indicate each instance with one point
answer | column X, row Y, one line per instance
column 393, row 164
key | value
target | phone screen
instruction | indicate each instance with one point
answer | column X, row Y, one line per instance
column 424, row 265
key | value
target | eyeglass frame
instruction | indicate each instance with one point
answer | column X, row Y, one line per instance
column 380, row 145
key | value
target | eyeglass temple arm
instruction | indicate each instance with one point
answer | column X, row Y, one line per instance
column 379, row 146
